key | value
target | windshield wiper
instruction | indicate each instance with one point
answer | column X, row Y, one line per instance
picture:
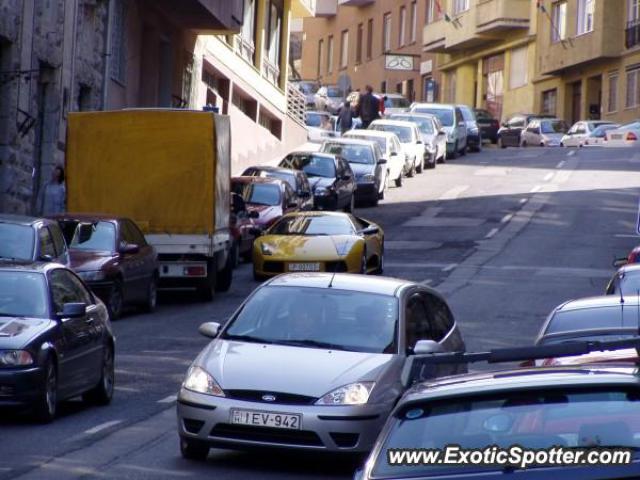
column 247, row 338
column 312, row 343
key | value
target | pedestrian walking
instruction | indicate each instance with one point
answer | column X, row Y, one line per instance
column 345, row 117
column 53, row 194
column 383, row 104
column 368, row 107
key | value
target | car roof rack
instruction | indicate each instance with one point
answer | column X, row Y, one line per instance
column 420, row 367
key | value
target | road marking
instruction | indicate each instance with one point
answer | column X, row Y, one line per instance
column 506, row 218
column 548, row 176
column 511, row 269
column 169, row 399
column 102, row 426
column 449, row 267
column 625, row 235
column 492, row 232
column 411, row 245
column 523, row 201
column 561, row 164
column 536, row 189
column 423, row 221
column 453, row 193
column 571, row 153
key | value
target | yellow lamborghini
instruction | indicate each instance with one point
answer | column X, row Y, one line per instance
column 319, row 242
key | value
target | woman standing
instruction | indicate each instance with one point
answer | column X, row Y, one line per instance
column 53, row 194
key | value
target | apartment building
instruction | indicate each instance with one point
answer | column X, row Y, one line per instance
column 375, row 42
column 486, row 52
column 589, row 59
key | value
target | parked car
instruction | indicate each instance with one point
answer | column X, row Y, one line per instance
column 488, row 125
column 452, row 121
column 598, row 137
column 592, row 406
column 511, row 130
column 580, row 131
column 391, row 151
column 474, row 135
column 433, row 135
column 395, row 103
column 309, row 89
column 56, row 340
column 319, row 242
column 331, row 178
column 342, row 340
column 410, row 139
column 270, row 198
column 626, row 136
column 242, row 225
column 329, row 98
column 320, row 126
column 367, row 163
column 112, row 256
column 544, row 132
column 296, row 179
column 625, row 282
column 30, row 238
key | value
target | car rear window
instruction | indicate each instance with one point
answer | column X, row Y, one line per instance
column 22, row 294
column 403, row 133
column 444, row 114
column 16, row 241
column 592, row 318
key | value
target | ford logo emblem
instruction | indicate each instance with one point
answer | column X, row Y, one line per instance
column 269, row 398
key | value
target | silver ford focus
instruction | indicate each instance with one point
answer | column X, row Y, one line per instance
column 311, row 361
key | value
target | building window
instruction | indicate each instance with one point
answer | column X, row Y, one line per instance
column 612, row 104
column 273, row 42
column 386, row 32
column 118, row 52
column 370, row 39
column 359, row 40
column 245, row 43
column 549, row 102
column 518, row 74
column 433, row 11
column 414, row 22
column 320, row 48
column 403, row 26
column 330, row 54
column 460, row 6
column 633, row 84
column 585, row 16
column 383, row 86
column 344, row 49
column 559, row 19
column 632, row 32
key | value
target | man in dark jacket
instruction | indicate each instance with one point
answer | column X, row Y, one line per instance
column 368, row 107
column 345, row 117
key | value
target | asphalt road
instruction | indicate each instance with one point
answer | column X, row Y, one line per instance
column 506, row 235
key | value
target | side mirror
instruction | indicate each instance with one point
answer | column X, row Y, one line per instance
column 382, row 161
column 441, row 132
column 73, row 310
column 129, row 248
column 256, row 232
column 369, row 231
column 253, row 214
column 209, row 329
column 423, row 347
column 620, row 262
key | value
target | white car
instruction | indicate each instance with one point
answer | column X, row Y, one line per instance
column 579, row 132
column 433, row 135
column 329, row 98
column 598, row 138
column 321, row 126
column 543, row 132
column 626, row 136
column 410, row 139
column 395, row 103
column 391, row 151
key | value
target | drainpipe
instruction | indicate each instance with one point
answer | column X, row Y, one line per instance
column 107, row 55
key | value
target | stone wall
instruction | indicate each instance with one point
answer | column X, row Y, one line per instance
column 52, row 55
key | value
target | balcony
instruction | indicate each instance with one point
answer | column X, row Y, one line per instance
column 355, row 3
column 204, row 16
column 497, row 16
column 632, row 34
column 444, row 36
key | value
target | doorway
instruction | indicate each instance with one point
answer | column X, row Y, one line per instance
column 594, row 97
column 576, row 101
column 493, row 80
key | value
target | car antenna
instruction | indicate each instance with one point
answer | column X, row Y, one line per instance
column 335, row 267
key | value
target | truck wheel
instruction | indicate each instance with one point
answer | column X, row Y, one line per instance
column 225, row 276
column 207, row 287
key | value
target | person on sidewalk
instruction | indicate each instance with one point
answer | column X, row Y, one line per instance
column 53, row 194
column 368, row 107
column 345, row 117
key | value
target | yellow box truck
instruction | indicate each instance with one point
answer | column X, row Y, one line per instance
column 169, row 171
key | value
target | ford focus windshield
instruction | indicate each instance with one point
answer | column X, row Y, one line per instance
column 318, row 318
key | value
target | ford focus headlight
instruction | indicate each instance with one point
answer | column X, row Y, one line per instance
column 198, row 380
column 92, row 275
column 15, row 358
column 369, row 177
column 322, row 191
column 352, row 394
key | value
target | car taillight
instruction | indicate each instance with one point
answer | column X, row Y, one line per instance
column 633, row 256
column 631, row 136
column 195, row 271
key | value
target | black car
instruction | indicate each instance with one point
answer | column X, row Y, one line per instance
column 474, row 135
column 32, row 239
column 489, row 125
column 55, row 339
column 297, row 179
column 365, row 159
column 331, row 178
column 510, row 131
